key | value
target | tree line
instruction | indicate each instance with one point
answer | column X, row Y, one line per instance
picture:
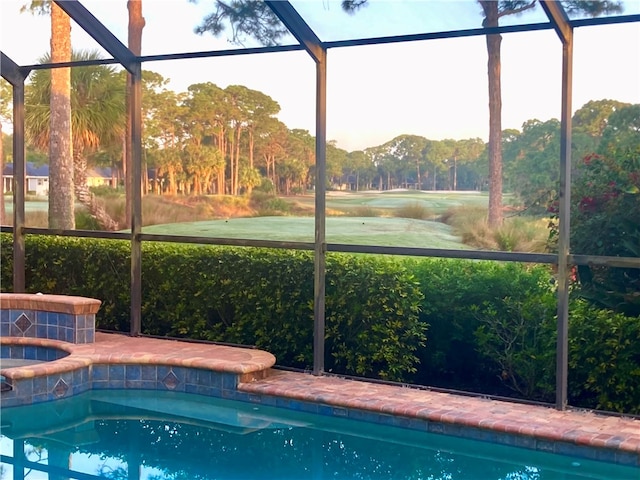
column 213, row 140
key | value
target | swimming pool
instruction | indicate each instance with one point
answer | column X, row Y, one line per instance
column 172, row 435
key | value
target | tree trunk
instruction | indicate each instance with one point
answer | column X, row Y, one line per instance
column 136, row 24
column 61, row 215
column 455, row 174
column 495, row 115
column 86, row 197
column 435, row 176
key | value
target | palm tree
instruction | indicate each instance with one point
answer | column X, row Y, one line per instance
column 97, row 119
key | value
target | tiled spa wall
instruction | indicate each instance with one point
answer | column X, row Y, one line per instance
column 55, row 317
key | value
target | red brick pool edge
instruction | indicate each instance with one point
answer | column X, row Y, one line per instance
column 601, row 437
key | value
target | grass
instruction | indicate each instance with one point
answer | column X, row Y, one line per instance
column 398, row 218
column 345, row 229
column 517, row 234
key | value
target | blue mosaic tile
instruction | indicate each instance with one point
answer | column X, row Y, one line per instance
column 4, row 351
column 627, row 458
column 191, row 388
column 81, row 322
column 133, row 383
column 80, row 337
column 15, row 314
column 80, row 388
column 52, row 332
column 545, row 446
column 162, row 371
column 61, row 389
column 40, row 386
column 14, row 331
column 203, row 377
column 5, row 316
column 41, row 331
column 42, row 397
column 133, row 373
column 191, row 376
column 8, row 402
column 100, row 373
column 149, row 373
column 116, row 383
column 31, row 331
column 67, row 320
column 148, row 385
column 324, row 410
column 229, row 381
column 24, row 387
column 605, row 455
column 4, row 329
column 116, row 373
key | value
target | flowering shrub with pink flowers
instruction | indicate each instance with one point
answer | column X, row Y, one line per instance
column 605, row 220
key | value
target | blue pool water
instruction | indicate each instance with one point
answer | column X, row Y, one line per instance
column 166, row 435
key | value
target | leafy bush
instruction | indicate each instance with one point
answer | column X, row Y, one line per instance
column 604, row 359
column 606, row 221
column 250, row 296
column 453, row 291
column 521, row 341
column 490, row 324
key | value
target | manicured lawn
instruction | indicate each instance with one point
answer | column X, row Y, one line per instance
column 351, row 230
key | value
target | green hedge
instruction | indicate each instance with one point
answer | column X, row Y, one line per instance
column 249, row 296
column 492, row 326
column 453, row 292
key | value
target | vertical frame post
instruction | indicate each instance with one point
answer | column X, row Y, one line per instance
column 19, row 186
column 562, row 356
column 136, row 204
column 320, row 250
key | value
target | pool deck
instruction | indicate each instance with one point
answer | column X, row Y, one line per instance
column 447, row 413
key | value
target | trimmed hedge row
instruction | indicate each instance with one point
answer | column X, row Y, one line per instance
column 247, row 296
column 492, row 326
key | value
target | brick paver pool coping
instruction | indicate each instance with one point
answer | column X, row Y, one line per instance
column 118, row 361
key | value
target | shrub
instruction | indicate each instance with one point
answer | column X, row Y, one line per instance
column 414, row 210
column 363, row 211
column 490, row 324
column 251, row 296
column 521, row 340
column 453, row 291
column 604, row 359
column 605, row 220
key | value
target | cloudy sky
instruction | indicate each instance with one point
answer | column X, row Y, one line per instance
column 435, row 88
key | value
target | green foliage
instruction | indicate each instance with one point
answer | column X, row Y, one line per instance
column 492, row 325
column 372, row 309
column 249, row 296
column 519, row 337
column 267, row 203
column 605, row 220
column 85, row 221
column 453, row 291
column 604, row 359
column 75, row 266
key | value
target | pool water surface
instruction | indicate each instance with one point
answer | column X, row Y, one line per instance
column 171, row 435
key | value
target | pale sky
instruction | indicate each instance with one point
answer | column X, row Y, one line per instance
column 435, row 88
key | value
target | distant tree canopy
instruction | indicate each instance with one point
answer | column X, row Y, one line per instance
column 213, row 140
column 252, row 18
